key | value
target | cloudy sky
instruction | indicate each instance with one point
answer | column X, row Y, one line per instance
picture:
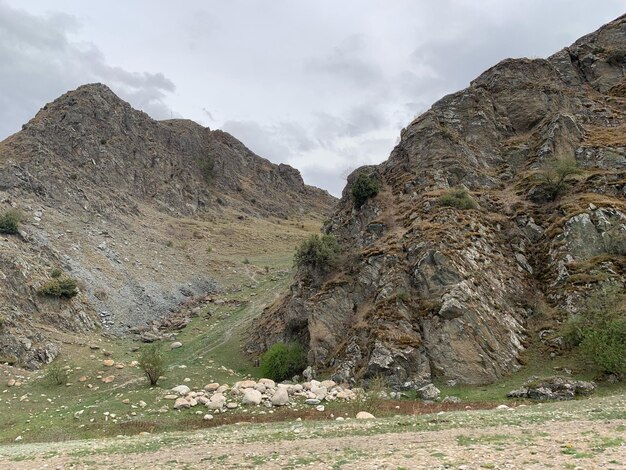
column 324, row 85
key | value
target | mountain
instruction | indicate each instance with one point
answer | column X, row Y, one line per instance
column 500, row 210
column 129, row 207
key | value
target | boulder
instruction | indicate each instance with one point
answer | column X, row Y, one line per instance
column 181, row 403
column 553, row 388
column 181, row 389
column 429, row 392
column 280, row 397
column 364, row 415
column 252, row 397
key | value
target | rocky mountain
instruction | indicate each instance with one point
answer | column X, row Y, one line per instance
column 501, row 205
column 125, row 205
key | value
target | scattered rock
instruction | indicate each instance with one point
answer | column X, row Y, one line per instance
column 429, row 392
column 181, row 403
column 553, row 388
column 281, row 397
column 181, row 389
column 108, row 362
column 176, row 345
column 252, row 397
column 364, row 415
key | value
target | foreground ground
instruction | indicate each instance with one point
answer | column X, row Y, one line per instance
column 589, row 433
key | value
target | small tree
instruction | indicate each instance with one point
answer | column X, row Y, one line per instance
column 318, row 252
column 283, row 361
column 555, row 174
column 10, row 221
column 152, row 362
column 207, row 167
column 365, row 187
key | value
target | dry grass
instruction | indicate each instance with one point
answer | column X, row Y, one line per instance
column 600, row 136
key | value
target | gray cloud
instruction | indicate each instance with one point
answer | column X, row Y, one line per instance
column 41, row 61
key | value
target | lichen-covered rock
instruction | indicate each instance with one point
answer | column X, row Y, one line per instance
column 553, row 388
column 430, row 289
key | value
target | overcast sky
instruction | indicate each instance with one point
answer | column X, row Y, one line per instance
column 323, row 85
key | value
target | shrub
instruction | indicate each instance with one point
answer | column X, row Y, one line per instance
column 458, row 198
column 318, row 252
column 600, row 329
column 10, row 222
column 56, row 374
column 55, row 273
column 152, row 362
column 283, row 361
column 207, row 168
column 371, row 400
column 365, row 187
column 60, row 287
column 555, row 174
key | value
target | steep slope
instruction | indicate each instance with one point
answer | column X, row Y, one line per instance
column 427, row 290
column 142, row 213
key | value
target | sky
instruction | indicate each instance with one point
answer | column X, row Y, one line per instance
column 322, row 85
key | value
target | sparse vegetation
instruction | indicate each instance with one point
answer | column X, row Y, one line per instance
column 283, row 361
column 555, row 174
column 364, row 188
column 10, row 222
column 152, row 362
column 317, row 252
column 458, row 198
column 600, row 329
column 66, row 287
column 56, row 374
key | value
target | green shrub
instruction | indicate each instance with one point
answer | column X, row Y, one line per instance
column 56, row 374
column 152, row 362
column 318, row 252
column 56, row 273
column 458, row 198
column 60, row 287
column 283, row 361
column 10, row 222
column 555, row 174
column 207, row 168
column 600, row 329
column 365, row 187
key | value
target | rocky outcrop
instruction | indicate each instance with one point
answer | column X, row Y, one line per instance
column 429, row 289
column 104, row 191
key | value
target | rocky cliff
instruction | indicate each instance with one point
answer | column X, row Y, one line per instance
column 501, row 198
column 123, row 204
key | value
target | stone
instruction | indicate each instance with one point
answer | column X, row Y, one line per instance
column 252, row 397
column 429, row 392
column 269, row 383
column 108, row 379
column 211, row 387
column 231, row 405
column 364, row 415
column 280, row 397
column 176, row 345
column 320, row 408
column 312, row 401
column 207, row 417
column 181, row 403
column 553, row 388
column 181, row 389
column 11, row 382
column 108, row 362
column 451, row 399
column 142, row 404
column 308, row 373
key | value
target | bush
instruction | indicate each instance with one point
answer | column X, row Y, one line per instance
column 56, row 273
column 207, row 168
column 10, row 222
column 364, row 187
column 555, row 174
column 283, row 361
column 600, row 329
column 152, row 362
column 318, row 252
column 458, row 198
column 56, row 374
column 60, row 287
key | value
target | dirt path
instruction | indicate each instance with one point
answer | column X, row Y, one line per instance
column 532, row 438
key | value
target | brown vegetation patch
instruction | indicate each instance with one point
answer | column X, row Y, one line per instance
column 600, row 136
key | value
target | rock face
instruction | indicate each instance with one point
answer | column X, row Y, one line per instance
column 103, row 190
column 429, row 290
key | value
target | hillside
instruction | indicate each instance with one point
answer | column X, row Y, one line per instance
column 499, row 212
column 145, row 215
